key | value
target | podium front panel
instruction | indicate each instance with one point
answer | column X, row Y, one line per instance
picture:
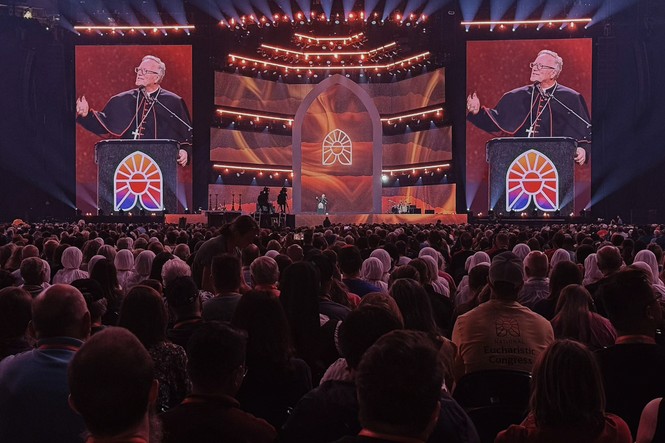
column 137, row 174
column 531, row 174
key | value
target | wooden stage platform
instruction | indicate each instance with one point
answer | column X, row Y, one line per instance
column 316, row 220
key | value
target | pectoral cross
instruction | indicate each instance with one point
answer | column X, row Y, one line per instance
column 136, row 133
column 531, row 132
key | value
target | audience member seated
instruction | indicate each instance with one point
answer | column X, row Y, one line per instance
column 144, row 314
column 563, row 274
column 609, row 263
column 95, row 301
column 386, row 263
column 478, row 289
column 275, row 379
column 650, row 259
column 226, row 278
column 501, row 333
column 350, row 263
column 211, row 414
column 112, row 388
column 537, row 285
column 34, row 272
column 33, row 385
column 142, row 268
column 576, row 320
column 591, row 272
column 372, row 273
column 173, row 269
column 124, row 264
column 15, row 315
column 463, row 295
column 71, row 262
column 399, row 389
column 567, row 401
column 105, row 274
column 330, row 411
column 265, row 275
column 182, row 297
column 633, row 368
column 652, row 419
column 416, row 306
column 313, row 334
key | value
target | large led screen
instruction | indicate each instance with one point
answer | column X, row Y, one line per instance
column 519, row 88
column 119, row 95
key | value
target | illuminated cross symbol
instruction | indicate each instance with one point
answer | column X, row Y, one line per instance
column 531, row 132
column 136, row 133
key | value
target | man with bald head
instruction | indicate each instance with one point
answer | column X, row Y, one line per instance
column 33, row 385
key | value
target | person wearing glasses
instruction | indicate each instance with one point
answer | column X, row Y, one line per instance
column 543, row 108
column 145, row 112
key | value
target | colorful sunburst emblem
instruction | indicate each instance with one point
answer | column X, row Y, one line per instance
column 337, row 147
column 138, row 178
column 532, row 176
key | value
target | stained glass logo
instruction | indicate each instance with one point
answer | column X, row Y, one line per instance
column 532, row 176
column 337, row 148
column 138, row 179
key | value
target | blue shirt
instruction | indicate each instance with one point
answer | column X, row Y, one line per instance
column 34, row 392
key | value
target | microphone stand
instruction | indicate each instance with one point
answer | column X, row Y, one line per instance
column 156, row 100
column 588, row 125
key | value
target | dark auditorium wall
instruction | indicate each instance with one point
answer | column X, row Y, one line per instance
column 36, row 149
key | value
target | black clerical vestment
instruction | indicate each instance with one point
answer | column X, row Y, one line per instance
column 129, row 115
column 524, row 112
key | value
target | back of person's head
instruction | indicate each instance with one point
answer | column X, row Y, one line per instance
column 264, row 271
column 362, row 328
column 383, row 301
column 111, row 382
column 536, row 264
column 349, row 259
column 173, row 269
column 501, row 240
column 414, row 305
column 466, row 240
column 269, row 339
column 125, row 243
column 631, row 303
column 29, row 251
column 405, row 271
column 563, row 274
column 567, row 388
column 249, row 254
column 144, row 314
column 182, row 251
column 582, row 252
column 226, row 273
column 216, row 358
column 182, row 295
column 506, row 275
column 60, row 311
column 295, row 252
column 15, row 312
column 32, row 271
column 398, row 384
column 93, row 293
column 609, row 259
column 478, row 277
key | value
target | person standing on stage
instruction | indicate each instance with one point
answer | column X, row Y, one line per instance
column 142, row 112
column 544, row 108
column 281, row 200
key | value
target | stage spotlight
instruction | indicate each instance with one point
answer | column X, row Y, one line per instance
column 384, row 178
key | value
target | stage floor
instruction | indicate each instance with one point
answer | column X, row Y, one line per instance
column 316, row 220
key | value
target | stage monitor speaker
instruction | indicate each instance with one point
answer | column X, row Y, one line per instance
column 182, row 222
column 417, row 210
column 291, row 221
column 429, row 211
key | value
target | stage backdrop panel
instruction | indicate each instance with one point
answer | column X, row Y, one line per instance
column 237, row 91
column 104, row 71
column 337, row 153
column 498, row 66
column 259, row 148
column 413, row 148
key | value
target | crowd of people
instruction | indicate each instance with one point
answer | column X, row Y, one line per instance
column 350, row 333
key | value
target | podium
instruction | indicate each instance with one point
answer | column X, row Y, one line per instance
column 137, row 174
column 529, row 174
